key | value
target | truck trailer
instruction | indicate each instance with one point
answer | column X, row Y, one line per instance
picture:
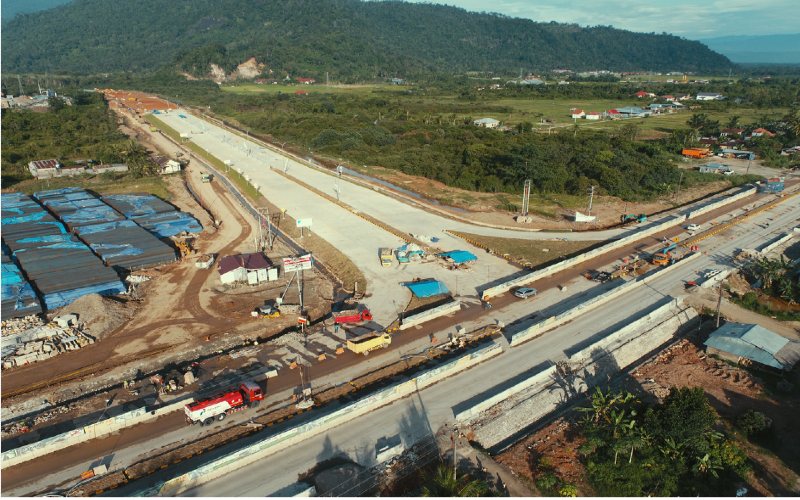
column 352, row 316
column 369, row 342
column 205, row 411
column 385, row 255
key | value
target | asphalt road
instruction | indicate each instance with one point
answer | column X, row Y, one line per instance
column 419, row 416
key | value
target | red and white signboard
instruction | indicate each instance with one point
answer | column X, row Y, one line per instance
column 302, row 321
column 292, row 264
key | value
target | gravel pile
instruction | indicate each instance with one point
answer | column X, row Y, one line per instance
column 101, row 315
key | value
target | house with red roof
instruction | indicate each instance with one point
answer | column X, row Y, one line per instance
column 305, row 81
column 642, row 94
column 761, row 132
column 577, row 113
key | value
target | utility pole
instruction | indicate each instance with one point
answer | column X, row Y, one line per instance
column 680, row 179
column 591, row 199
column 749, row 161
column 19, row 80
column 327, row 79
column 526, row 195
column 719, row 303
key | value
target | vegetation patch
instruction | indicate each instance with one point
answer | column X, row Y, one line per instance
column 86, row 130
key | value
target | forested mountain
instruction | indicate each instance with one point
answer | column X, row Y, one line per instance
column 11, row 8
column 350, row 39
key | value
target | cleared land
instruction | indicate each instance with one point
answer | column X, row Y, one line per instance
column 528, row 252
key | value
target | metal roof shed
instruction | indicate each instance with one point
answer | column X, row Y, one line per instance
column 427, row 288
column 755, row 343
column 459, row 256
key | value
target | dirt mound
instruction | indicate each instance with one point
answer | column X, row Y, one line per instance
column 101, row 315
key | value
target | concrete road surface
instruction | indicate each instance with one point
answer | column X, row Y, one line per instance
column 352, row 235
column 419, row 416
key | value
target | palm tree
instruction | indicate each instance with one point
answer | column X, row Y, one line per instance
column 443, row 483
column 671, row 448
column 705, row 465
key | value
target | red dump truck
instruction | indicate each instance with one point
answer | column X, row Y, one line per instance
column 248, row 395
column 352, row 316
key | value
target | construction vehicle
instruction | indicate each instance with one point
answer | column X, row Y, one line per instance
column 664, row 257
column 184, row 246
column 696, row 152
column 268, row 311
column 206, row 177
column 369, row 342
column 205, row 411
column 633, row 218
column 353, row 315
column 385, row 255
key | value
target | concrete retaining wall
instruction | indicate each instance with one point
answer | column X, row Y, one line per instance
column 612, row 354
column 325, row 422
column 776, row 242
column 89, row 432
column 436, row 312
column 613, row 245
column 721, row 202
column 543, row 377
column 551, row 322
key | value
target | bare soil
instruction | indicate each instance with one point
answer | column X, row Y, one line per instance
column 529, row 253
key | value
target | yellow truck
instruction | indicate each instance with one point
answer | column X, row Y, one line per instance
column 369, row 342
column 386, row 256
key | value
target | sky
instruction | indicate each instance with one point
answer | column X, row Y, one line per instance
column 692, row 19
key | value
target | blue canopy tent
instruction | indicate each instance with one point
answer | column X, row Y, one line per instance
column 427, row 288
column 459, row 256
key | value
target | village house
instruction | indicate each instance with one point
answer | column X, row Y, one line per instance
column 250, row 268
column 709, row 96
column 486, row 122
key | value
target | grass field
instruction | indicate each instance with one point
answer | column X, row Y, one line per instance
column 530, row 253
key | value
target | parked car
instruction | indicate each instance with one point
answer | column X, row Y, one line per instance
column 711, row 273
column 728, row 172
column 692, row 227
column 524, row 293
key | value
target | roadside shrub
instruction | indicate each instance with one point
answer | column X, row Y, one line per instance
column 753, row 422
column 547, row 483
column 568, row 490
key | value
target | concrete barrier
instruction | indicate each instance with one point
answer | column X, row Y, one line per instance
column 578, row 259
column 725, row 200
column 543, row 377
column 551, row 322
column 776, row 242
column 618, row 243
column 436, row 312
column 325, row 422
column 93, row 431
column 610, row 355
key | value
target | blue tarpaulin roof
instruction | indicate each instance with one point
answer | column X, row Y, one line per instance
column 459, row 256
column 753, row 342
column 427, row 288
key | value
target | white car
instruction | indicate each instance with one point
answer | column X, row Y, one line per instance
column 692, row 227
column 524, row 293
column 711, row 273
column 728, row 172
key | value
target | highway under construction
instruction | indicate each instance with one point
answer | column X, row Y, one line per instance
column 433, row 336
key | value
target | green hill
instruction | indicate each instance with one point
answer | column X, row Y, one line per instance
column 349, row 39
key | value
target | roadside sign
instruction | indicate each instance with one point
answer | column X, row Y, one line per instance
column 292, row 264
column 304, row 222
column 302, row 321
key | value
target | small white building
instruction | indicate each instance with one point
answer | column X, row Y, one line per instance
column 709, row 96
column 593, row 115
column 44, row 169
column 486, row 122
column 250, row 268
